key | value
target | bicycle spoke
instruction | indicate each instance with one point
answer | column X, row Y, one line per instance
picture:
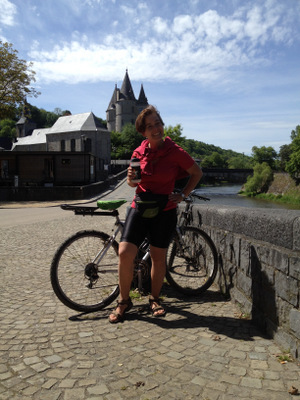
column 191, row 261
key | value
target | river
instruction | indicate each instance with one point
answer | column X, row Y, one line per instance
column 227, row 195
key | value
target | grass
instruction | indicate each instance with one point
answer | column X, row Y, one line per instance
column 285, row 357
column 134, row 294
column 280, row 198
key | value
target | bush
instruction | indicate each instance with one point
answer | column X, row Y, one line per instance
column 261, row 179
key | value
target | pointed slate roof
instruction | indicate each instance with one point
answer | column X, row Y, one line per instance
column 126, row 89
column 22, row 120
column 142, row 97
column 112, row 103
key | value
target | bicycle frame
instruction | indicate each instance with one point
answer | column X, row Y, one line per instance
column 108, row 244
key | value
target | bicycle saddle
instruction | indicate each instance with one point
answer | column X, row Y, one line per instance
column 110, row 204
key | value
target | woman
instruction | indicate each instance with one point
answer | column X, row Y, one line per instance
column 162, row 163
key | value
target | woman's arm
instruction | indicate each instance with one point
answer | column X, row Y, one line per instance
column 195, row 173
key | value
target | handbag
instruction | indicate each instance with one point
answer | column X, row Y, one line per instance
column 149, row 204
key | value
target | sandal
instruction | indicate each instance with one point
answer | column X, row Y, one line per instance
column 158, row 307
column 120, row 317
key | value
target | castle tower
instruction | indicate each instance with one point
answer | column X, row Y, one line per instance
column 123, row 107
column 25, row 126
column 142, row 102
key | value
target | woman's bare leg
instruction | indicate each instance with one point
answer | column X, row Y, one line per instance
column 158, row 271
column 127, row 253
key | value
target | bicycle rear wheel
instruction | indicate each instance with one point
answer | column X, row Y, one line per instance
column 78, row 279
column 192, row 261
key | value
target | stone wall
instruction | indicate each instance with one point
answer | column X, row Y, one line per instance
column 38, row 193
column 259, row 265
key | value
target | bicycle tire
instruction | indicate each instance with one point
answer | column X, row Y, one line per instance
column 77, row 281
column 192, row 261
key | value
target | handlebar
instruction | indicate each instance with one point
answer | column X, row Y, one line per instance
column 193, row 194
column 199, row 197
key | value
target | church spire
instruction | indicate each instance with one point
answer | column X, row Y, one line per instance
column 126, row 89
column 142, row 97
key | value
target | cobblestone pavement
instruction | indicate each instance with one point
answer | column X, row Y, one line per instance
column 201, row 350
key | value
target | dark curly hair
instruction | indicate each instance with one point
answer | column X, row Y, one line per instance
column 140, row 125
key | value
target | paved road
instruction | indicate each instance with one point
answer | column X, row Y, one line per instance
column 19, row 213
column 201, row 350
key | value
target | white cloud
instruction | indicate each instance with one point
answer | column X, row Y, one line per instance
column 182, row 23
column 202, row 47
column 160, row 26
column 8, row 11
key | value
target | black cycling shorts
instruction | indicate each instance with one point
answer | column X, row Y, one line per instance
column 159, row 230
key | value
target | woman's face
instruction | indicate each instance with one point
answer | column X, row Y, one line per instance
column 154, row 130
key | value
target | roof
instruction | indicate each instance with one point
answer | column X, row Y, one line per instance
column 126, row 89
column 69, row 123
column 22, row 120
column 112, row 103
column 77, row 122
column 142, row 97
column 38, row 136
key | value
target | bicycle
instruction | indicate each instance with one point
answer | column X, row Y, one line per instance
column 84, row 269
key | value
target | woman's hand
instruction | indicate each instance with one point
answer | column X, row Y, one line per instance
column 176, row 197
column 130, row 176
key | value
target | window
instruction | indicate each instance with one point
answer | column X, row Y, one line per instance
column 62, row 145
column 88, row 145
column 4, row 168
column 73, row 145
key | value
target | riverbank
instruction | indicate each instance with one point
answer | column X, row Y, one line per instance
column 282, row 189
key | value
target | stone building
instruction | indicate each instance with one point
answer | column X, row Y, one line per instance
column 124, row 107
column 72, row 134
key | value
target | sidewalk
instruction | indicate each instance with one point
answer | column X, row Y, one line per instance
column 203, row 349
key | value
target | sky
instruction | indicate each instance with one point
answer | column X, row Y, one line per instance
column 227, row 71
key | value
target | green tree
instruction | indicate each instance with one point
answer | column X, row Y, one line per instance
column 130, row 139
column 239, row 162
column 215, row 160
column 261, row 179
column 7, row 128
column 284, row 154
column 293, row 165
column 175, row 133
column 116, row 145
column 264, row 154
column 123, row 143
column 16, row 76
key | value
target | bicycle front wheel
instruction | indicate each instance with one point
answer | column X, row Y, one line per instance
column 84, row 271
column 192, row 261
